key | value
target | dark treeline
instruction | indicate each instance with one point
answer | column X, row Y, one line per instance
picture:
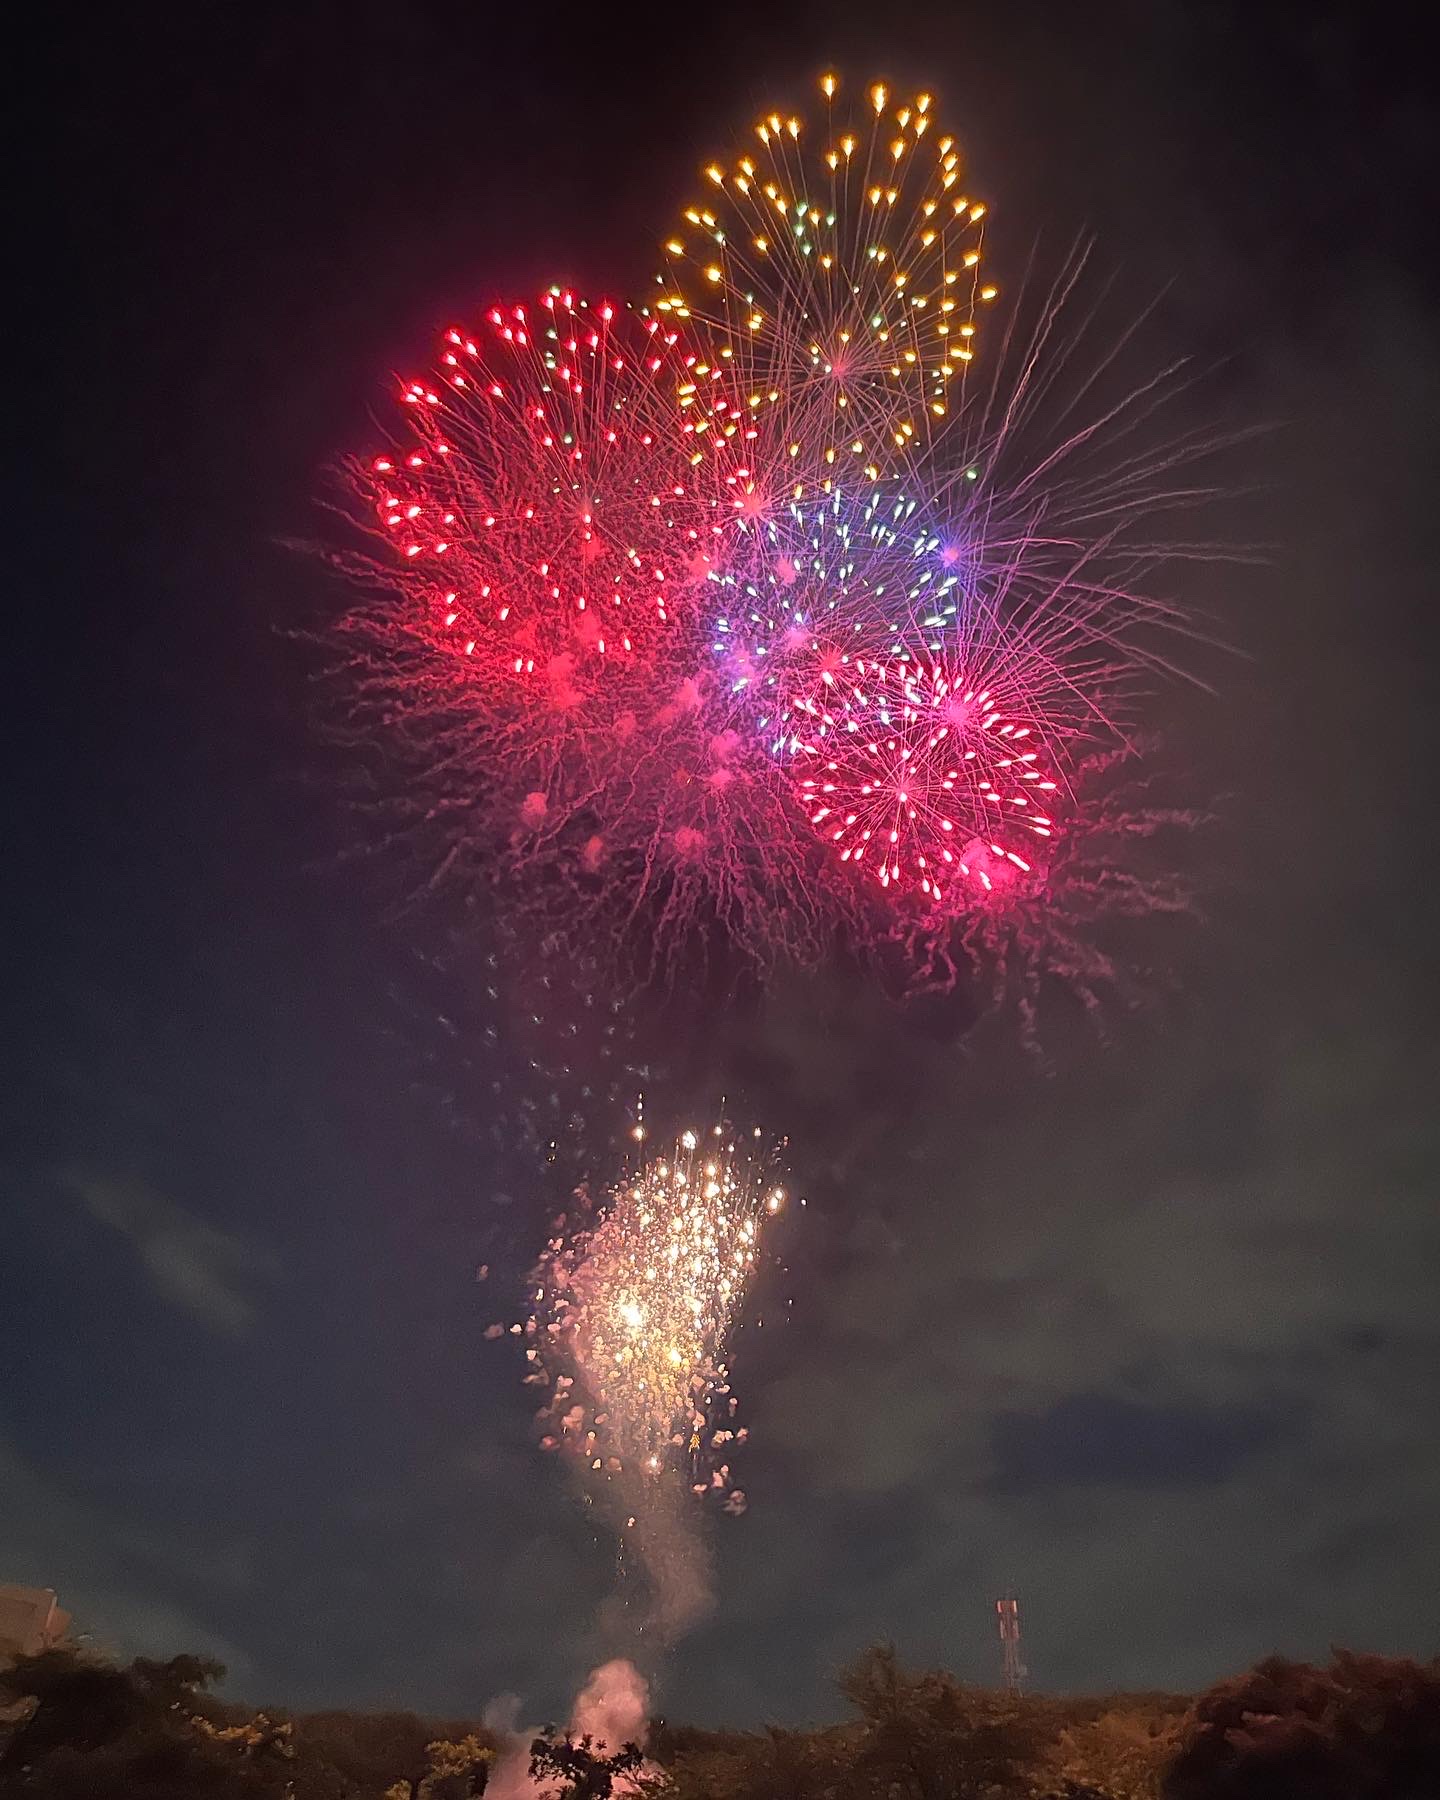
column 76, row 1727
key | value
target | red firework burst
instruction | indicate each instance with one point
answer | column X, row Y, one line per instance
column 539, row 527
column 542, row 519
column 540, row 645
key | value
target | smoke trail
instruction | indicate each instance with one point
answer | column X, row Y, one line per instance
column 662, row 1544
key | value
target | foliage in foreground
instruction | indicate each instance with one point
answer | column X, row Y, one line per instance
column 1359, row 1728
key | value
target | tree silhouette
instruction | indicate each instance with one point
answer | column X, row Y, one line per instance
column 929, row 1737
column 1362, row 1728
column 581, row 1765
column 1118, row 1753
column 773, row 1764
column 81, row 1703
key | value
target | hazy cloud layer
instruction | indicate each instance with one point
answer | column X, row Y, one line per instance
column 208, row 1273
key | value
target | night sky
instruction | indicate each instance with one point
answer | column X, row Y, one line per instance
column 1152, row 1337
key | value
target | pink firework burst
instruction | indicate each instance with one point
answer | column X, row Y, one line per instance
column 921, row 778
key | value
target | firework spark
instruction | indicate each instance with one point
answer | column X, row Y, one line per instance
column 633, row 1313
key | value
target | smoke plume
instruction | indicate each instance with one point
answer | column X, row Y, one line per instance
column 613, row 1708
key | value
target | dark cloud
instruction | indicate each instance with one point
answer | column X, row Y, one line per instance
column 1223, row 1131
column 1089, row 1440
column 125, row 1577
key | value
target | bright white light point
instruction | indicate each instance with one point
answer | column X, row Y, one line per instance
column 689, row 1140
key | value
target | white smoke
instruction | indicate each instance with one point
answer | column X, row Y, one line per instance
column 613, row 1708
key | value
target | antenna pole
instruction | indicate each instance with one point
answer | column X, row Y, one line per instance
column 1012, row 1669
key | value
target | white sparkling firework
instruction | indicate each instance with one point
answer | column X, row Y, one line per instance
column 633, row 1313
